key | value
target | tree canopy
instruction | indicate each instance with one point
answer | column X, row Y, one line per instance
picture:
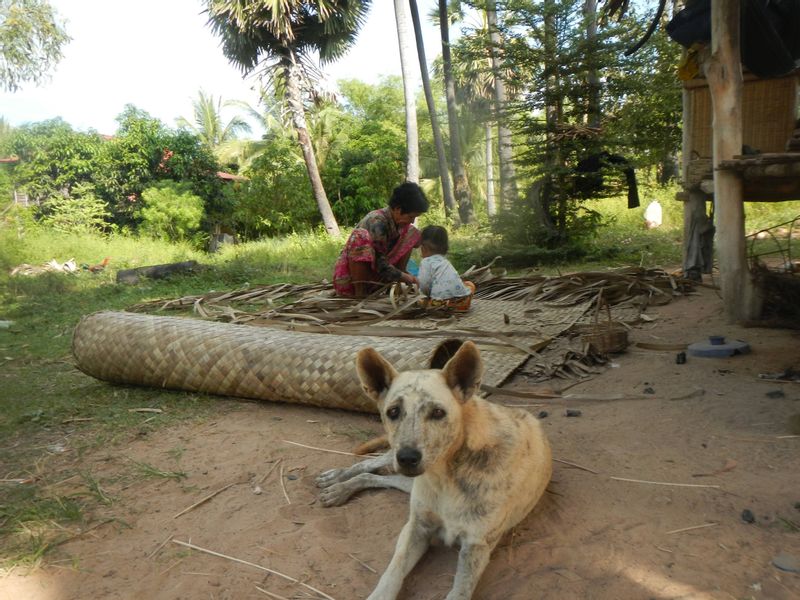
column 31, row 39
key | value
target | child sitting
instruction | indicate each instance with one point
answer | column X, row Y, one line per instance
column 438, row 279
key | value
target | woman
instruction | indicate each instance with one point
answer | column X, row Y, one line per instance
column 378, row 249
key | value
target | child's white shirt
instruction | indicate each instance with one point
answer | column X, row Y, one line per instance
column 439, row 280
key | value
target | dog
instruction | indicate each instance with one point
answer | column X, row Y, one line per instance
column 474, row 469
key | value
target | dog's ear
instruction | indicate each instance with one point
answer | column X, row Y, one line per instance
column 464, row 371
column 375, row 373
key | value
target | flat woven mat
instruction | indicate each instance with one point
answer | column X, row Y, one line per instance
column 300, row 340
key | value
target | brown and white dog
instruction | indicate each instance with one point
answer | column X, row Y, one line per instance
column 474, row 469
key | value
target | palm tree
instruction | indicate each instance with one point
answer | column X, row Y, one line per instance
column 269, row 117
column 508, row 183
column 281, row 38
column 472, row 73
column 462, row 193
column 208, row 124
column 444, row 173
column 404, row 40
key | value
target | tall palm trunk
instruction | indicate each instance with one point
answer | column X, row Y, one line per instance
column 592, row 76
column 553, row 190
column 508, row 182
column 444, row 173
column 462, row 193
column 491, row 205
column 295, row 102
column 404, row 40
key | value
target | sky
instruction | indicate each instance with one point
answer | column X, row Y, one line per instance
column 157, row 55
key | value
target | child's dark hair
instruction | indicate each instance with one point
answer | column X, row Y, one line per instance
column 434, row 239
column 409, row 198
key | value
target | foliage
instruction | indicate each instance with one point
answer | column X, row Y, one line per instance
column 53, row 158
column 208, row 124
column 553, row 56
column 284, row 39
column 278, row 198
column 143, row 151
column 77, row 212
column 31, row 39
column 170, row 211
column 369, row 162
column 643, row 103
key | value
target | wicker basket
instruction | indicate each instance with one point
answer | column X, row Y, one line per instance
column 607, row 337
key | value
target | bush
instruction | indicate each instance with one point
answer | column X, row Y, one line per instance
column 170, row 211
column 79, row 212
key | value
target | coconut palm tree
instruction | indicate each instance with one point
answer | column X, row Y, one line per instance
column 207, row 122
column 405, row 41
column 281, row 38
column 444, row 173
column 270, row 117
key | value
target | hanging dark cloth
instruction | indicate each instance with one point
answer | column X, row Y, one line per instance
column 589, row 175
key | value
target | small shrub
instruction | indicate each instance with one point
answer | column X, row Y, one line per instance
column 79, row 212
column 171, row 211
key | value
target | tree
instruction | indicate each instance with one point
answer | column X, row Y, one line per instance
column 405, row 40
column 460, row 183
column 53, row 158
column 170, row 211
column 366, row 161
column 31, row 39
column 207, row 122
column 508, row 182
column 281, row 38
column 472, row 72
column 444, row 173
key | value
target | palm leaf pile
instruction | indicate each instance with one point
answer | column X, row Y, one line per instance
column 527, row 316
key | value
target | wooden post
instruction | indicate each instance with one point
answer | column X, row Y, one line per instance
column 724, row 75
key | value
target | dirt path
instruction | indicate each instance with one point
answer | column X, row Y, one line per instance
column 593, row 537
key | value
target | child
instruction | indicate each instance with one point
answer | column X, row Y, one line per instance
column 438, row 279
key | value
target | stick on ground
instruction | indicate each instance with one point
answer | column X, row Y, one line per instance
column 704, row 525
column 160, row 546
column 692, row 485
column 320, row 449
column 206, row 499
column 576, row 465
column 249, row 564
column 283, row 487
column 271, row 594
column 362, row 563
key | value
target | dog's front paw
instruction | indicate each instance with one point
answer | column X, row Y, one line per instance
column 335, row 495
column 328, row 478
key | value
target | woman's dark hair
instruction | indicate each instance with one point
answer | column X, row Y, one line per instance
column 434, row 239
column 409, row 198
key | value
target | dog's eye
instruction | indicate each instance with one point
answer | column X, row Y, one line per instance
column 438, row 413
column 393, row 412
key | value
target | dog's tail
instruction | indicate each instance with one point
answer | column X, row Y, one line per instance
column 373, row 445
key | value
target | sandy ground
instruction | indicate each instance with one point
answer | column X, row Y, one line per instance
column 709, row 423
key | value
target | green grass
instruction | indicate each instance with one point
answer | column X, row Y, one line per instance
column 44, row 400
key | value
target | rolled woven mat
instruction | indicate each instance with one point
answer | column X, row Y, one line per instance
column 239, row 360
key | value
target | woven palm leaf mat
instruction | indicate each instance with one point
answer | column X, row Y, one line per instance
column 250, row 362
column 512, row 318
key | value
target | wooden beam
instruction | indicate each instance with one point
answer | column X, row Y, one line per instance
column 723, row 72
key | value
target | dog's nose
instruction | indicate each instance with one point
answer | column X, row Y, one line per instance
column 409, row 457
